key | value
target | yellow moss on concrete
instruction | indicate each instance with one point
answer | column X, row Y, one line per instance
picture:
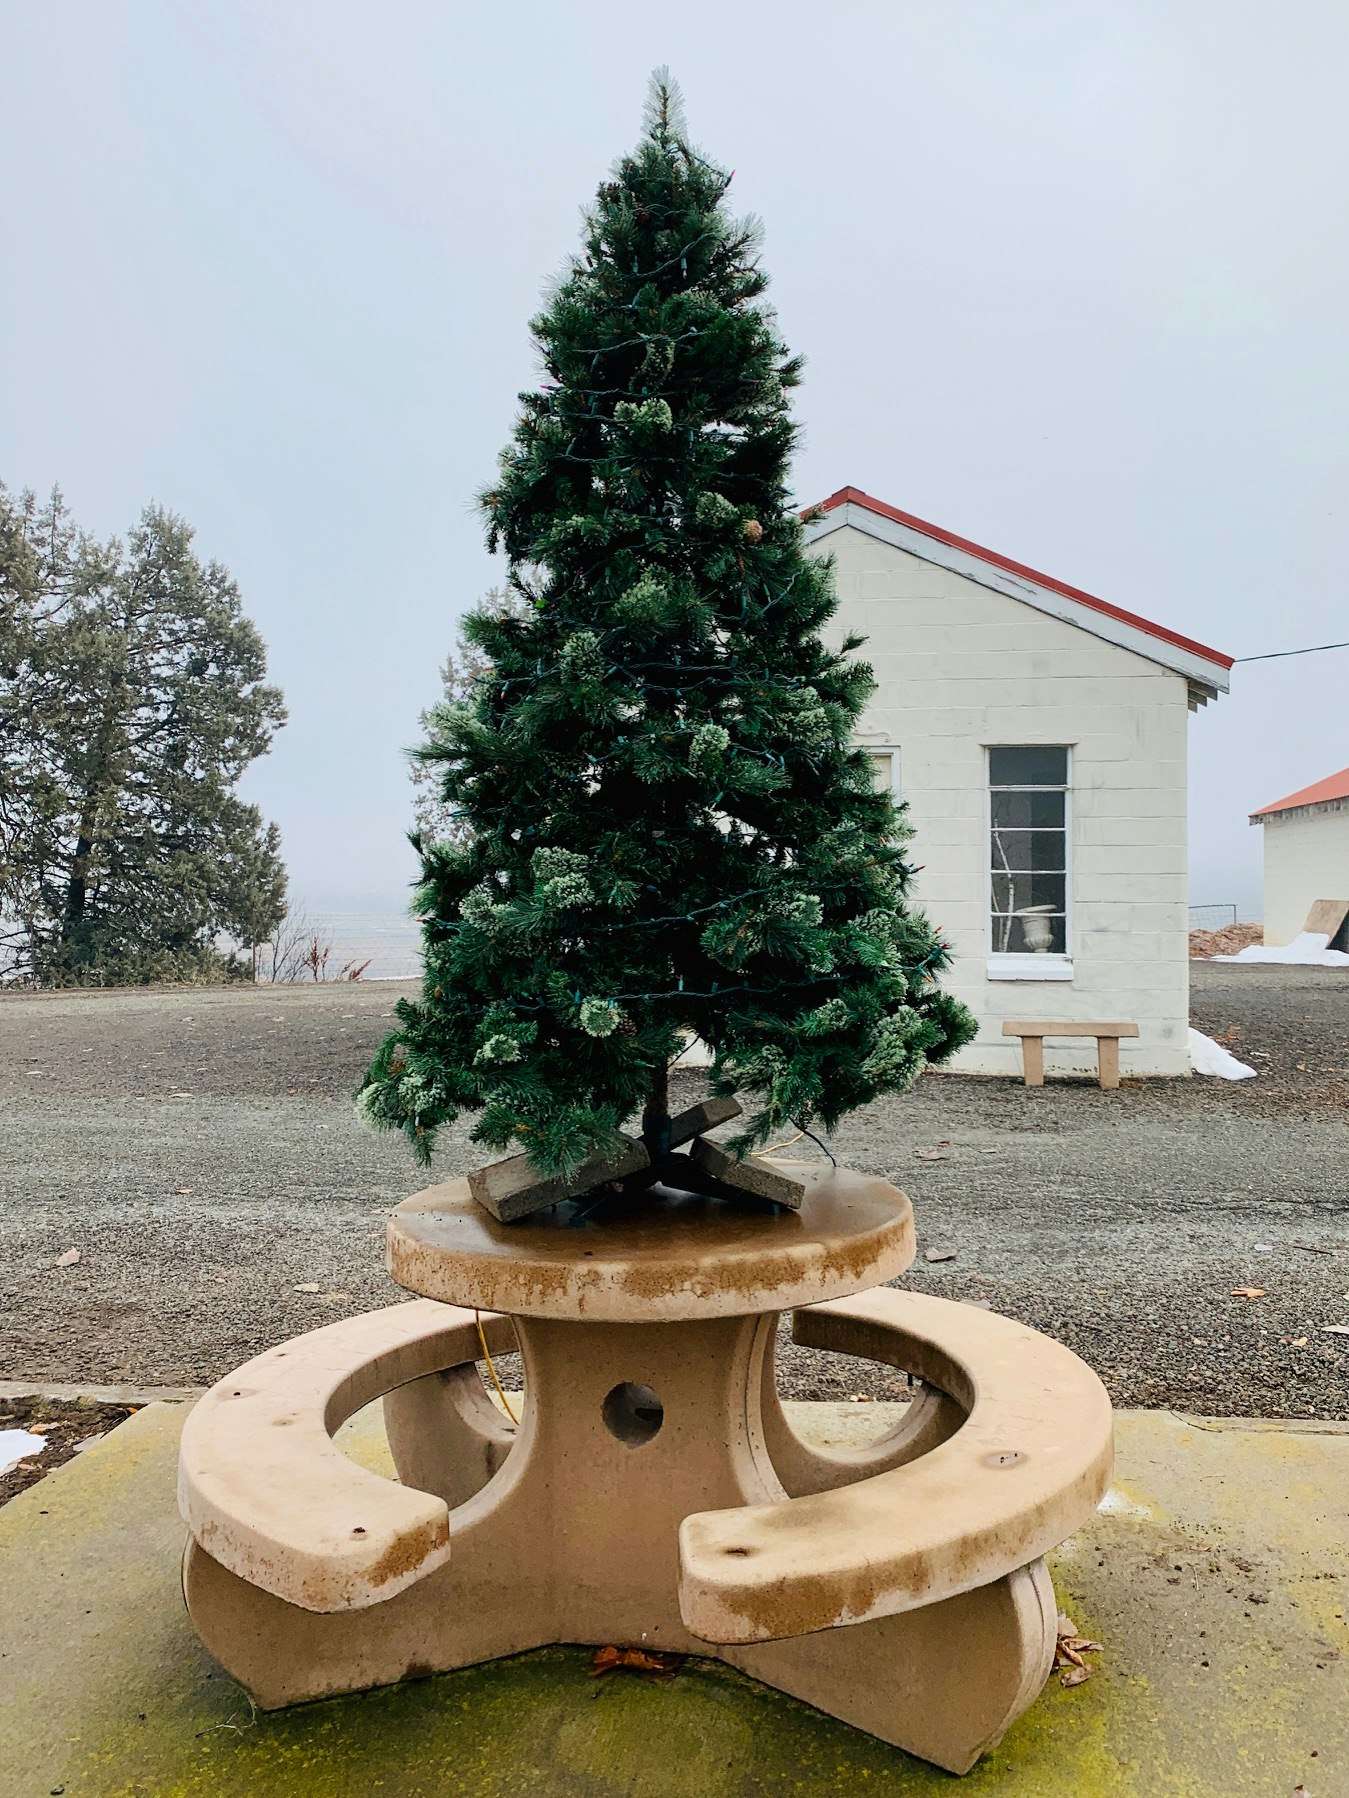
column 104, row 1689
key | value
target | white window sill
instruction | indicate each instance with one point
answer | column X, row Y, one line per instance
column 1030, row 967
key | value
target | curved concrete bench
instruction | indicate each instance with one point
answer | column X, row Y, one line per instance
column 269, row 1496
column 1027, row 1467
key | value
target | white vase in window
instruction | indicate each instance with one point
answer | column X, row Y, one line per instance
column 1037, row 928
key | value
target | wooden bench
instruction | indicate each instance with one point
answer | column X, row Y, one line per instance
column 1033, row 1034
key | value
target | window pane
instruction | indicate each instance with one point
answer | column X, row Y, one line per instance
column 1044, row 811
column 882, row 770
column 1030, row 766
column 1019, row 892
column 1042, row 934
column 1036, row 851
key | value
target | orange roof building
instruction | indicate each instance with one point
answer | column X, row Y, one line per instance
column 1320, row 792
column 1307, row 859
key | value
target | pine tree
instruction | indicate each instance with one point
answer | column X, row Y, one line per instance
column 132, row 699
column 669, row 827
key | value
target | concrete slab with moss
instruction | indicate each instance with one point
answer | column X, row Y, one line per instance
column 1216, row 1575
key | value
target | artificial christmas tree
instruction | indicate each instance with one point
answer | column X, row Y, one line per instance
column 668, row 828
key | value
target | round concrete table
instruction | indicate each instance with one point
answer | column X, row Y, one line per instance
column 653, row 1492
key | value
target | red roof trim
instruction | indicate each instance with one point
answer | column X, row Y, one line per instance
column 854, row 496
column 1334, row 786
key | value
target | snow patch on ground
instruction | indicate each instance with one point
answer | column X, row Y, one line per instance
column 1309, row 950
column 1119, row 1504
column 1208, row 1057
column 18, row 1445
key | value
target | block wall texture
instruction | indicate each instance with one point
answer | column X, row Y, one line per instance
column 1306, row 859
column 961, row 667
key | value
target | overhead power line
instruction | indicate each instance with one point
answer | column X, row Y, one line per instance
column 1274, row 654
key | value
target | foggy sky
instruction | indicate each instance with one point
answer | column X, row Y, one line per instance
column 1070, row 280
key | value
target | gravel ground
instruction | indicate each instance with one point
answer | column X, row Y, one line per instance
column 199, row 1148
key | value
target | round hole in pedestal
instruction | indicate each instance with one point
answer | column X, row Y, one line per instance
column 632, row 1413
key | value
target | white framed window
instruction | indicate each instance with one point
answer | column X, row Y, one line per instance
column 884, row 767
column 1029, row 872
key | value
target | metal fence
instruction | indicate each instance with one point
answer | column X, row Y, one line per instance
column 1212, row 917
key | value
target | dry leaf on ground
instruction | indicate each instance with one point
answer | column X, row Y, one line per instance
column 1069, row 1650
column 68, row 1259
column 635, row 1660
column 931, row 1155
column 308, row 1286
column 1249, row 1292
column 940, row 1255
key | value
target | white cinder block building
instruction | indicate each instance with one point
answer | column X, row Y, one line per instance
column 1306, row 854
column 1039, row 737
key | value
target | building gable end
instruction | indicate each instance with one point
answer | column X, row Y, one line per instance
column 1206, row 677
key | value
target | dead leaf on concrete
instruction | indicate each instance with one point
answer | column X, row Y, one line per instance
column 1069, row 1650
column 308, row 1286
column 183, row 1192
column 68, row 1259
column 931, row 1155
column 939, row 1255
column 1249, row 1292
column 635, row 1660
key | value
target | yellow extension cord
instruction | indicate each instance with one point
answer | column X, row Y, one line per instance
column 492, row 1369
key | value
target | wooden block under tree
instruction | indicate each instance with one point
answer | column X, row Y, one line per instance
column 514, row 1188
column 705, row 1115
column 751, row 1175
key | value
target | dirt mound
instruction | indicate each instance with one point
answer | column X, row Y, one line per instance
column 1228, row 941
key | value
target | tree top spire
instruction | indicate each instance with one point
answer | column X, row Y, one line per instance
column 663, row 115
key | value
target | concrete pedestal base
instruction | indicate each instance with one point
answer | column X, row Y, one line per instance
column 654, row 1491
